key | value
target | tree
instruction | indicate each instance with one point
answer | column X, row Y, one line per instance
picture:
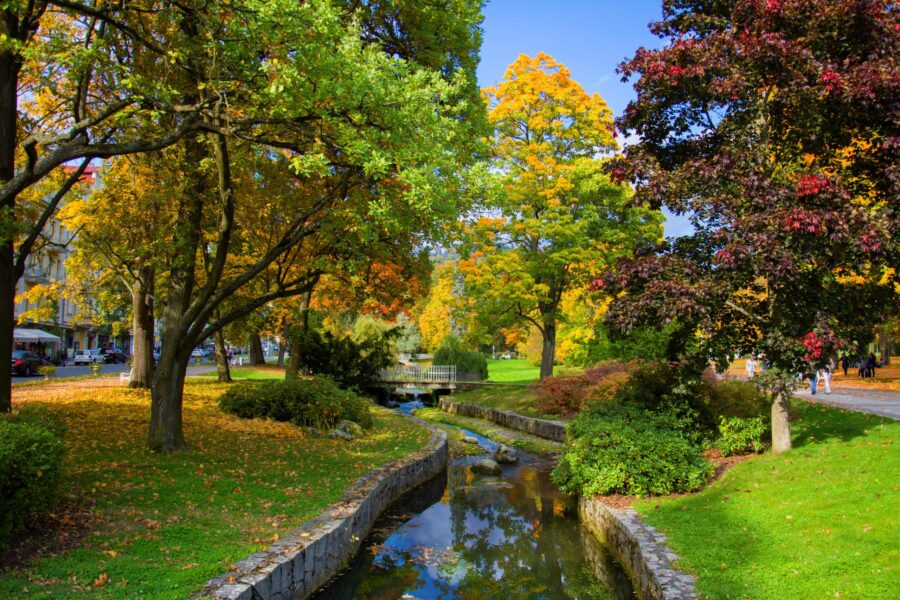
column 78, row 82
column 560, row 215
column 774, row 125
column 375, row 144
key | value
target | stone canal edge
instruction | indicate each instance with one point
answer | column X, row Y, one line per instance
column 306, row 559
column 638, row 547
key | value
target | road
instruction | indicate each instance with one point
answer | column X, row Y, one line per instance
column 82, row 370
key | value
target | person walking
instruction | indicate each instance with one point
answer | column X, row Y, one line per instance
column 870, row 364
column 845, row 363
column 813, row 377
column 825, row 375
column 751, row 367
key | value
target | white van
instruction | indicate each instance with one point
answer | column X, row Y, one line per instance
column 86, row 357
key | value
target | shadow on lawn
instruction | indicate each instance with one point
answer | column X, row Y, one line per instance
column 814, row 423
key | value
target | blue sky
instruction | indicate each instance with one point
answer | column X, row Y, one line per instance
column 590, row 37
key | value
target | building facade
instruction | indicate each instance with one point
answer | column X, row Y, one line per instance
column 73, row 323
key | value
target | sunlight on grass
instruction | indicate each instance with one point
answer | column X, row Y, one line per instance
column 521, row 371
column 255, row 372
column 165, row 524
column 816, row 522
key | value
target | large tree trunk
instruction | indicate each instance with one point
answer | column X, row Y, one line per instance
column 166, row 399
column 548, row 350
column 166, row 434
column 257, row 357
column 142, row 324
column 293, row 368
column 10, row 64
column 8, row 282
column 884, row 345
column 781, row 426
column 222, row 367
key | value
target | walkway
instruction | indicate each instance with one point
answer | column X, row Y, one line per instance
column 877, row 402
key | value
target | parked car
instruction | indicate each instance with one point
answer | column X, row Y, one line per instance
column 25, row 364
column 86, row 357
column 202, row 353
column 113, row 356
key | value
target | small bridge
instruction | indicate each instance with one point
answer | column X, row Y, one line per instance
column 442, row 377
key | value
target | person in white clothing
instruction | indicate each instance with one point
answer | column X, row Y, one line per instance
column 825, row 375
column 751, row 367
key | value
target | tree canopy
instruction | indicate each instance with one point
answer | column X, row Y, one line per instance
column 774, row 125
column 556, row 217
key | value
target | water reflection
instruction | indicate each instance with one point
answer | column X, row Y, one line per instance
column 514, row 536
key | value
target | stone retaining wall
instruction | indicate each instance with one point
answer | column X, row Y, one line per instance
column 550, row 430
column 295, row 567
column 639, row 548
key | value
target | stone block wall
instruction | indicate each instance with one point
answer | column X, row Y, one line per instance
column 295, row 567
column 639, row 548
column 550, row 430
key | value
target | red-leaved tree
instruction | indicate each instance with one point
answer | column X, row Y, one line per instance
column 774, row 125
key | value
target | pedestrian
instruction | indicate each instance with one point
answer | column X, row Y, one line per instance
column 751, row 367
column 813, row 377
column 863, row 367
column 845, row 363
column 825, row 375
column 871, row 365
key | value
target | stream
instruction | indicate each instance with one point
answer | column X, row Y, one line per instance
column 463, row 535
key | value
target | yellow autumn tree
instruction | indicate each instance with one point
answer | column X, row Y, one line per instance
column 557, row 218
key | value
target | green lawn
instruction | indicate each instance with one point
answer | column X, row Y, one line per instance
column 817, row 522
column 521, row 371
column 250, row 372
column 161, row 526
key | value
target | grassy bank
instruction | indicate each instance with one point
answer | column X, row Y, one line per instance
column 145, row 525
column 817, row 522
column 519, row 399
column 517, row 439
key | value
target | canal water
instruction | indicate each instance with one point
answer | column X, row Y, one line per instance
column 464, row 535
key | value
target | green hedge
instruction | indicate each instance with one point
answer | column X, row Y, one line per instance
column 31, row 454
column 627, row 449
column 453, row 352
column 312, row 402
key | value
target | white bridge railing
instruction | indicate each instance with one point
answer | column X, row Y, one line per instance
column 438, row 374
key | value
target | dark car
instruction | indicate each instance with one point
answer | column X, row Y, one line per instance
column 25, row 363
column 113, row 356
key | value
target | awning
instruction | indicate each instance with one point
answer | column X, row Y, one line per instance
column 34, row 335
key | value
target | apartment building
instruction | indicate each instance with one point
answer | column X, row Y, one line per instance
column 73, row 324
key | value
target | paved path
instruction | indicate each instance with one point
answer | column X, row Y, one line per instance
column 876, row 402
column 81, row 371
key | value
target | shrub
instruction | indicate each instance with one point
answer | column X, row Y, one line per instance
column 661, row 386
column 742, row 435
column 453, row 352
column 30, row 462
column 608, row 389
column 733, row 398
column 567, row 394
column 627, row 449
column 348, row 363
column 311, row 402
column 641, row 344
column 39, row 417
